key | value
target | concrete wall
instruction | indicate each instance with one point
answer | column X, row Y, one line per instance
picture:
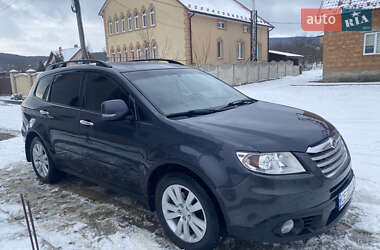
column 242, row 73
column 22, row 82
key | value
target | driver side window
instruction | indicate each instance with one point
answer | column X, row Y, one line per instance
column 98, row 89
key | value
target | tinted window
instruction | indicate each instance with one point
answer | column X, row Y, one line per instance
column 98, row 89
column 42, row 87
column 65, row 89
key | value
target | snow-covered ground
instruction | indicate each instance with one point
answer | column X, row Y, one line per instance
column 78, row 215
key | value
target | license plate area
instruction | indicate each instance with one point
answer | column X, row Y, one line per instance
column 345, row 196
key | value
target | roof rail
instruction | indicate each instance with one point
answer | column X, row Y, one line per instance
column 157, row 60
column 82, row 61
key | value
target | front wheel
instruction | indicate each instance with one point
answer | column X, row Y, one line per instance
column 187, row 213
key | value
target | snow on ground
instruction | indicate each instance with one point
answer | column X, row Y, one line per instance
column 74, row 214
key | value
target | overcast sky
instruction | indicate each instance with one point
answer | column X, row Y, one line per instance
column 35, row 27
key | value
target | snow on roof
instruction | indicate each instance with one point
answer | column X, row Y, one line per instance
column 222, row 8
column 351, row 4
column 67, row 54
column 284, row 53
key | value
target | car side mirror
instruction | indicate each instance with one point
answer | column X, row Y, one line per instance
column 114, row 110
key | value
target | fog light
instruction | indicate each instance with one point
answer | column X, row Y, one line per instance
column 287, row 226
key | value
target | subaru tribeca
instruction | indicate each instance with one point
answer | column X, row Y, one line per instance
column 209, row 160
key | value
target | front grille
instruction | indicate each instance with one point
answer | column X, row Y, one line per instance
column 330, row 155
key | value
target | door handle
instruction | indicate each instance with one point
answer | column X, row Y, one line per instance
column 44, row 112
column 86, row 123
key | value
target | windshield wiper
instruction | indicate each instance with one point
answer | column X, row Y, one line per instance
column 237, row 103
column 194, row 112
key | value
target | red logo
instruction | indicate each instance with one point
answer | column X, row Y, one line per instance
column 321, row 19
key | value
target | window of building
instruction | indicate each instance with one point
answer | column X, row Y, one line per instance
column 129, row 23
column 119, row 56
column 65, row 89
column 132, row 54
column 137, row 21
column 221, row 25
column 154, row 50
column 138, row 53
column 240, row 50
column 147, row 56
column 258, row 51
column 125, row 54
column 110, row 27
column 99, row 89
column 219, row 49
column 371, row 43
column 117, row 25
column 245, row 28
column 144, row 19
column 42, row 89
column 152, row 17
column 123, row 24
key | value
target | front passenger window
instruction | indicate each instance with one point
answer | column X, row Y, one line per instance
column 98, row 89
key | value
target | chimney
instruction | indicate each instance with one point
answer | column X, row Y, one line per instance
column 75, row 45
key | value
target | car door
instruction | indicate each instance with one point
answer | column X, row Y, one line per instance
column 62, row 117
column 112, row 153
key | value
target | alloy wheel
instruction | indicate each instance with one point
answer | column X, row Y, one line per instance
column 184, row 213
column 40, row 160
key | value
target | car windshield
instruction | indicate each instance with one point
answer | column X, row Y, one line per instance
column 177, row 91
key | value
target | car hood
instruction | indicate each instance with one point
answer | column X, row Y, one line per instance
column 263, row 127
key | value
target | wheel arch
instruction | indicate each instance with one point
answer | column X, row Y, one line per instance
column 28, row 140
column 165, row 169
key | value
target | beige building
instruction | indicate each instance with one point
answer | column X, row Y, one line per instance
column 189, row 31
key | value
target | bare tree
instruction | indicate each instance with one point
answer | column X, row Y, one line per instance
column 202, row 51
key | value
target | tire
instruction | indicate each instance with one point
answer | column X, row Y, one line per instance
column 42, row 163
column 192, row 217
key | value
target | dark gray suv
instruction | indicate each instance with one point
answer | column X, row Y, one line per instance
column 211, row 161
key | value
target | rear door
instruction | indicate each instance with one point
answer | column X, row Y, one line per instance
column 113, row 154
column 62, row 116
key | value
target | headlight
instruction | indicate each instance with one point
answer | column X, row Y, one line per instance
column 271, row 163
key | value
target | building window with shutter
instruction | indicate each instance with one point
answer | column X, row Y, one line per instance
column 125, row 54
column 110, row 27
column 117, row 25
column 371, row 43
column 146, row 50
column 240, row 50
column 144, row 19
column 132, row 52
column 154, row 51
column 219, row 48
column 129, row 23
column 152, row 17
column 137, row 21
column 138, row 53
column 123, row 24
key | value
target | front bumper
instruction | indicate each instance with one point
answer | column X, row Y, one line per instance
column 258, row 214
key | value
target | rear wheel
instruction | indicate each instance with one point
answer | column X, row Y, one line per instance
column 42, row 164
column 187, row 213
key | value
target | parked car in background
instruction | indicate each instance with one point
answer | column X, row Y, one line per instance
column 209, row 160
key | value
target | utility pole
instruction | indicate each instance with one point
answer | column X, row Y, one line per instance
column 253, row 56
column 75, row 7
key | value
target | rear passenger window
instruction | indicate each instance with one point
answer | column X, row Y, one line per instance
column 43, row 87
column 65, row 89
column 98, row 89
